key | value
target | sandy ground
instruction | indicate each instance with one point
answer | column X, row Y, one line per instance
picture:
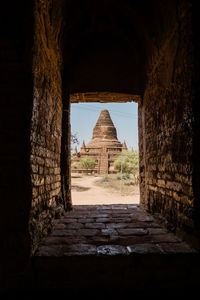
column 84, row 192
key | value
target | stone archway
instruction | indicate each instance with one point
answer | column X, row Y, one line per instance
column 154, row 48
column 165, row 112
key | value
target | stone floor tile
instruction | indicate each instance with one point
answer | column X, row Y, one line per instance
column 141, row 217
column 55, row 240
column 132, row 231
column 134, row 206
column 95, row 225
column 124, row 219
column 130, row 240
column 62, row 232
column 103, row 207
column 80, row 249
column 68, row 220
column 144, row 249
column 157, row 230
column 164, row 238
column 99, row 240
column 67, row 250
column 119, row 206
column 75, row 240
column 102, row 220
column 181, row 247
column 86, row 220
column 84, row 208
column 109, row 231
column 49, row 251
column 75, row 225
column 87, row 232
column 68, row 240
column 139, row 224
column 116, row 225
column 111, row 250
column 123, row 214
column 98, row 215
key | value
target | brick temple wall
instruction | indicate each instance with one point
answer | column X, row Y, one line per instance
column 196, row 143
column 166, row 130
column 47, row 202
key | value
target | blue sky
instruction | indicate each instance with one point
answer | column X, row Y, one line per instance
column 124, row 116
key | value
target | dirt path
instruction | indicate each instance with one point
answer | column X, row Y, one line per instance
column 84, row 191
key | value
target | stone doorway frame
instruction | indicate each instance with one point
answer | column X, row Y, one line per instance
column 91, row 97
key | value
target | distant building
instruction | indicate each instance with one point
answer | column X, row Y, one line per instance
column 104, row 146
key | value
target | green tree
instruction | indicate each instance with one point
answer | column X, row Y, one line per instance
column 87, row 163
column 128, row 162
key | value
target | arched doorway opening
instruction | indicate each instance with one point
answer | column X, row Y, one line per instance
column 101, row 183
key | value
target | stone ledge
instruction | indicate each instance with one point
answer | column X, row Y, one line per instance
column 133, row 231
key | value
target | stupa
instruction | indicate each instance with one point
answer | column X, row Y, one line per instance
column 104, row 147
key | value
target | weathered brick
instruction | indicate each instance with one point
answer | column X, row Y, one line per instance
column 34, row 168
column 34, row 192
column 37, row 180
column 175, row 186
column 46, row 129
column 165, row 132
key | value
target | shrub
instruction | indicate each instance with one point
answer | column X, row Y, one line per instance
column 87, row 163
column 74, row 165
column 126, row 176
column 118, row 177
column 106, row 178
column 128, row 162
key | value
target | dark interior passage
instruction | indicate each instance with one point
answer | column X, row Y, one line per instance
column 53, row 48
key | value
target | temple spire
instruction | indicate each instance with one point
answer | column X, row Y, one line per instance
column 124, row 146
column 104, row 132
column 75, row 151
column 83, row 147
column 104, row 128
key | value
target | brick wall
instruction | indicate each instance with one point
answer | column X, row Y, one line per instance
column 196, row 144
column 47, row 202
column 166, row 130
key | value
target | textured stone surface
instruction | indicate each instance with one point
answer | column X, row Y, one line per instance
column 151, row 260
column 165, row 131
column 47, row 202
column 121, row 233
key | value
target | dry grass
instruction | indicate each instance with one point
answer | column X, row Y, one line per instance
column 114, row 183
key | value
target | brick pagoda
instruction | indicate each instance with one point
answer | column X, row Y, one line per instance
column 104, row 146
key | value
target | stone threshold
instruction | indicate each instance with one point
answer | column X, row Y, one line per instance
column 113, row 247
column 109, row 230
